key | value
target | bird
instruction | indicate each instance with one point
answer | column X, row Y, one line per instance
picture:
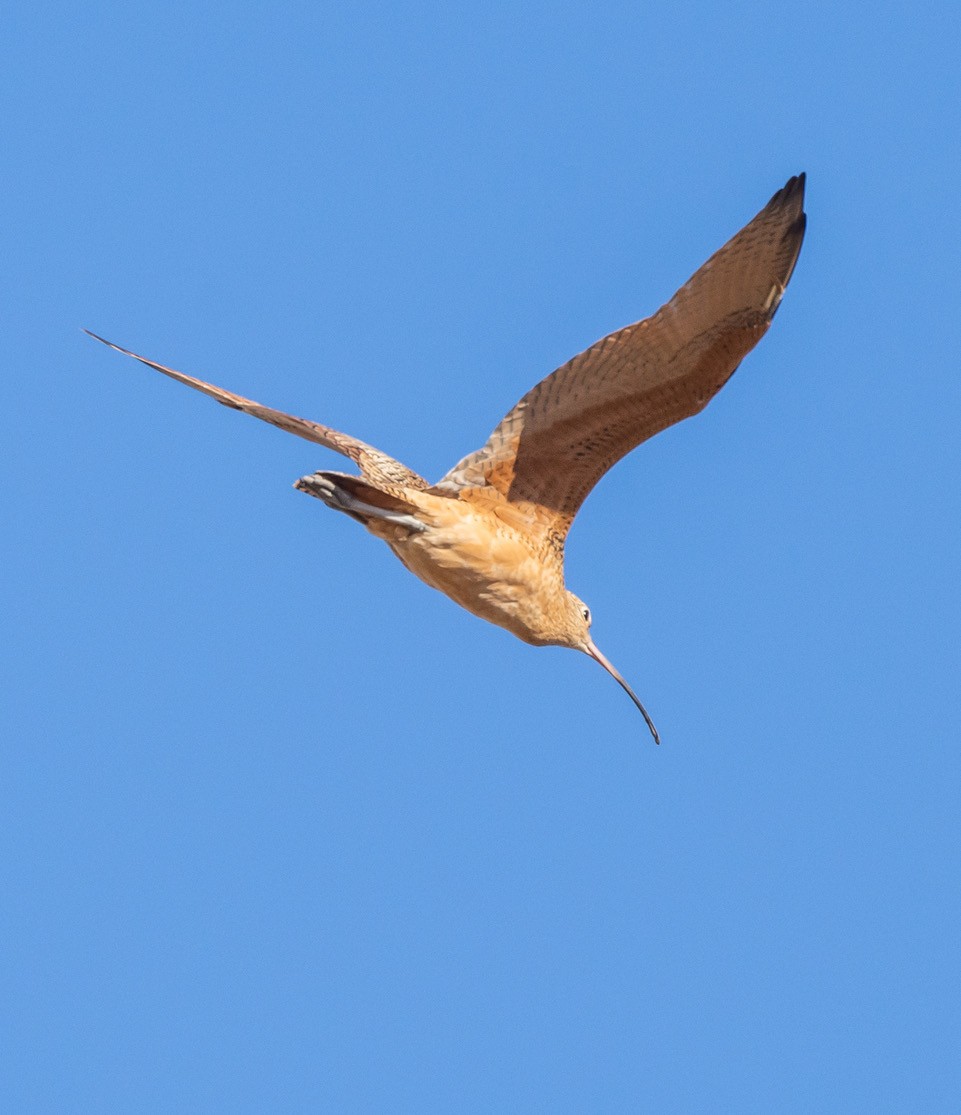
column 490, row 534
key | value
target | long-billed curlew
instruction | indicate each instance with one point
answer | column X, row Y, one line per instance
column 491, row 533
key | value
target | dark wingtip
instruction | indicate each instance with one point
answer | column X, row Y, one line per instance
column 792, row 192
column 788, row 203
column 797, row 184
column 109, row 344
column 117, row 348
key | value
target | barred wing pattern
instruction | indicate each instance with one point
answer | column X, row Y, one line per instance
column 553, row 447
column 375, row 466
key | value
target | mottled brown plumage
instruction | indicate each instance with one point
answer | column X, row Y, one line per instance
column 491, row 533
column 565, row 433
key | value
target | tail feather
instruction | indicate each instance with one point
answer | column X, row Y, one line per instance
column 359, row 499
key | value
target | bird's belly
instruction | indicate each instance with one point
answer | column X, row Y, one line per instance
column 487, row 570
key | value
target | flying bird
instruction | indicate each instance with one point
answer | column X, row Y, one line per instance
column 490, row 534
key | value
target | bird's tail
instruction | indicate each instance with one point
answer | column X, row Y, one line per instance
column 359, row 499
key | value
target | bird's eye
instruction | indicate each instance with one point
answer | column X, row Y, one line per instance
column 586, row 613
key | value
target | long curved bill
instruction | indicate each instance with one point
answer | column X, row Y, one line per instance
column 592, row 650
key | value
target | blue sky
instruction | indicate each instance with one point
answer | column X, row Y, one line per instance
column 285, row 830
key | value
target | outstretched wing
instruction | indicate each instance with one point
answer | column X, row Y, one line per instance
column 560, row 439
column 373, row 464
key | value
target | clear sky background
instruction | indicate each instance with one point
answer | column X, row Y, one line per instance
column 285, row 830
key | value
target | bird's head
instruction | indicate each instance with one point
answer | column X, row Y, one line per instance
column 576, row 623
